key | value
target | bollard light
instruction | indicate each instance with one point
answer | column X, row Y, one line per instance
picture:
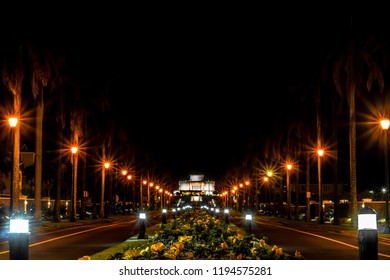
column 164, row 216
column 367, row 219
column 18, row 226
column 248, row 219
column 142, row 225
column 174, row 213
column 19, row 237
column 367, row 234
column 216, row 212
column 226, row 212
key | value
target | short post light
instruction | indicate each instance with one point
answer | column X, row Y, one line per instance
column 248, row 221
column 226, row 212
column 216, row 212
column 367, row 234
column 142, row 225
column 164, row 216
column 19, row 237
column 174, row 213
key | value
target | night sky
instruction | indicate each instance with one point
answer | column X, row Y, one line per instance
column 194, row 85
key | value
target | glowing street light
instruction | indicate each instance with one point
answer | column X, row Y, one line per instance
column 320, row 153
column 106, row 165
column 124, row 173
column 246, row 197
column 289, row 167
column 161, row 197
column 141, row 205
column 150, row 186
column 13, row 195
column 74, row 151
column 385, row 123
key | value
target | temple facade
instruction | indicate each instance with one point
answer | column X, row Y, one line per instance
column 195, row 192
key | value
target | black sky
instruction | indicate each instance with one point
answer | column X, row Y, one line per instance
column 194, row 83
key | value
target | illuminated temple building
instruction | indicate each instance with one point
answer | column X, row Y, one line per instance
column 195, row 192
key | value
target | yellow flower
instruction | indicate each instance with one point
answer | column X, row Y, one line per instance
column 85, row 258
column 253, row 251
column 224, row 246
column 175, row 248
column 200, row 222
column 240, row 236
column 189, row 255
column 279, row 251
column 262, row 243
column 158, row 247
column 144, row 251
column 184, row 238
column 179, row 245
column 298, row 254
column 274, row 248
column 170, row 256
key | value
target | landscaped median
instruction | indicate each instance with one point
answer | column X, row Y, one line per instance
column 195, row 235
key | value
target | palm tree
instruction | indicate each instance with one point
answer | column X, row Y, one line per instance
column 60, row 120
column 42, row 76
column 37, row 64
column 354, row 68
column 12, row 76
column 76, row 125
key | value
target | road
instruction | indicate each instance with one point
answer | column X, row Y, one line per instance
column 315, row 242
column 75, row 242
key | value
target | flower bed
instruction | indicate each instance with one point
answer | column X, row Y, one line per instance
column 198, row 235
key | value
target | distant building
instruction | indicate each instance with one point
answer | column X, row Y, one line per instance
column 195, row 191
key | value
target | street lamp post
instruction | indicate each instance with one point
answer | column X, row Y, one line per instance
column 320, row 153
column 102, row 206
column 149, row 186
column 141, row 204
column 247, row 197
column 385, row 123
column 124, row 172
column 241, row 185
column 271, row 194
column 161, row 191
column 74, row 151
column 289, row 167
column 267, row 198
column 12, row 122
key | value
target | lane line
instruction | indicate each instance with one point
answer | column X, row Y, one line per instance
column 323, row 237
column 69, row 235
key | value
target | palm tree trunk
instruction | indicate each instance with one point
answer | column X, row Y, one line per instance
column 308, row 192
column 38, row 157
column 57, row 204
column 103, row 183
column 82, row 191
column 336, row 198
column 297, row 195
column 352, row 153
column 16, row 155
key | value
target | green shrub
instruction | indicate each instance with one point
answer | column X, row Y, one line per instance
column 198, row 235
